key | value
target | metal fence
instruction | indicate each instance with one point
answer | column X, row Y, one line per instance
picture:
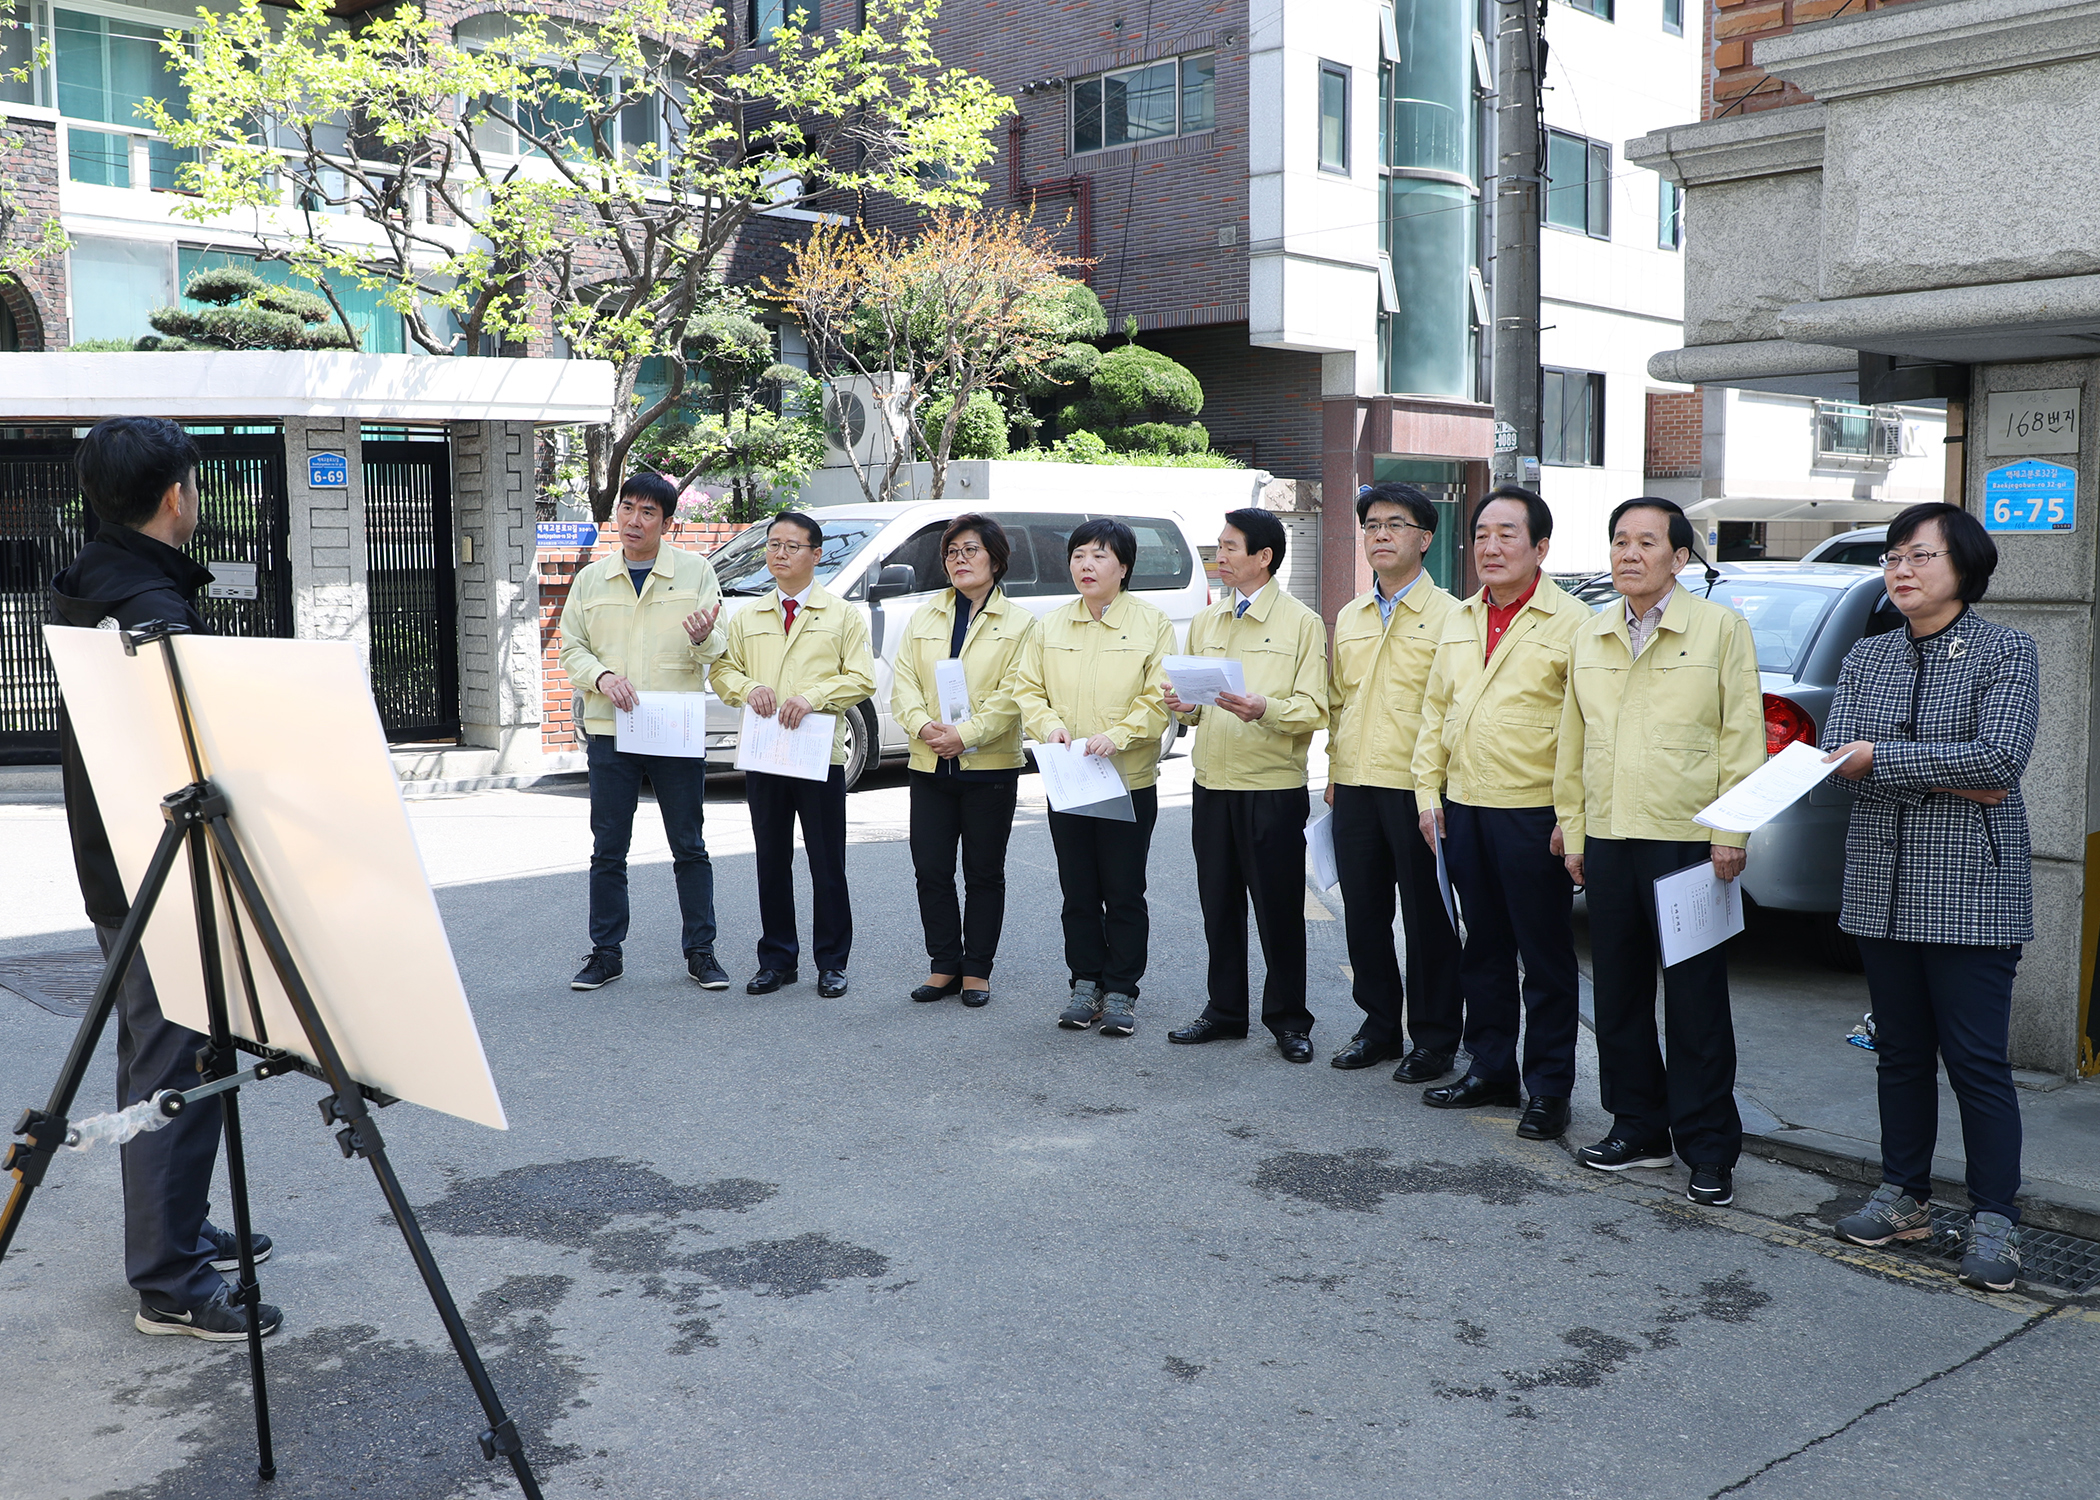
column 409, row 574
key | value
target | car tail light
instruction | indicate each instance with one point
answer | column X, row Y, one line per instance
column 1785, row 723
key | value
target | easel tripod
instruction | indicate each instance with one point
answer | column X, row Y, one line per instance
column 198, row 822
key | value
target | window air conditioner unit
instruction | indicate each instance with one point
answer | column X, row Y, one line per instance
column 864, row 419
column 1851, row 436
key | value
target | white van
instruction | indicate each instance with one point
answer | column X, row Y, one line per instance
column 886, row 560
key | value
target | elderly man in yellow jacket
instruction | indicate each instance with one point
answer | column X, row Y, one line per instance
column 1663, row 715
column 1484, row 765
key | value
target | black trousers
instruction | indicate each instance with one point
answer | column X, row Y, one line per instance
column 1689, row 1100
column 1516, row 898
column 167, row 1172
column 1951, row 1003
column 1251, row 846
column 1378, row 850
column 1101, row 869
column 776, row 803
column 978, row 815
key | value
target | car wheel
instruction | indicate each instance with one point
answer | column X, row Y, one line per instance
column 1835, row 946
column 863, row 742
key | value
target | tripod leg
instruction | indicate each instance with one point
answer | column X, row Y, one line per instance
column 46, row 1128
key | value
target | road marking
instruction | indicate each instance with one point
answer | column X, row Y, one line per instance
column 1315, row 909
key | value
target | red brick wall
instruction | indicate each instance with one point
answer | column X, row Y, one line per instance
column 558, row 566
column 1675, row 439
column 29, row 162
column 1733, row 84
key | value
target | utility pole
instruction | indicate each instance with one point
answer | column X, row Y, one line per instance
column 1519, row 170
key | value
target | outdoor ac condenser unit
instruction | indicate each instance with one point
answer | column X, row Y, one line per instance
column 863, row 419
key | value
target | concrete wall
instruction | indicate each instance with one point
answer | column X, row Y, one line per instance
column 327, row 534
column 500, row 691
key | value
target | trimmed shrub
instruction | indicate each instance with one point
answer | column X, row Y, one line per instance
column 1158, row 437
column 981, row 433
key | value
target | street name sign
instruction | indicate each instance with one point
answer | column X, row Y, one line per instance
column 565, row 534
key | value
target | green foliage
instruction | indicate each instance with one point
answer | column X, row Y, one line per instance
column 20, row 252
column 1135, row 384
column 1075, row 312
column 244, row 311
column 102, row 346
column 979, row 433
column 1158, row 437
column 1086, row 448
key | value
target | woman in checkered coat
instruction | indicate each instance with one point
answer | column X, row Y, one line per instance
column 1936, row 722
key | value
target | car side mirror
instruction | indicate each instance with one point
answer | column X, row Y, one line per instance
column 895, row 579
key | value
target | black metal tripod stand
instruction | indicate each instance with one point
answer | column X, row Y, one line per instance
column 198, row 821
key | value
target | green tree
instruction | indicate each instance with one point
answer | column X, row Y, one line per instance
column 591, row 174
column 243, row 311
column 1139, row 401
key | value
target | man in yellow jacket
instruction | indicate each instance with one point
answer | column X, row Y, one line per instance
column 642, row 619
column 801, row 650
column 1484, row 765
column 1247, row 820
column 1384, row 642
column 1663, row 715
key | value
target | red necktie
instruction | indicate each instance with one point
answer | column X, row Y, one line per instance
column 788, row 607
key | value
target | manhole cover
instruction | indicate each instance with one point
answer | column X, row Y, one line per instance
column 62, row 983
column 2047, row 1256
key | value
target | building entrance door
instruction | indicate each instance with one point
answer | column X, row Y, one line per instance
column 413, row 610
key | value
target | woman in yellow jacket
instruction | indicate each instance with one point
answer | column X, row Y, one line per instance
column 1092, row 674
column 965, row 755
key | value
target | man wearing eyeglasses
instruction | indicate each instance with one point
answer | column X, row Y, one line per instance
column 1384, row 642
column 800, row 651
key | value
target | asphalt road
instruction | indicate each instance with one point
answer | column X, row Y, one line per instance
column 788, row 1247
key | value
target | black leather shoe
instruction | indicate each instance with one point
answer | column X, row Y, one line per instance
column 977, row 999
column 1295, row 1046
column 831, row 983
column 1544, row 1120
column 1472, row 1092
column 1422, row 1066
column 1204, row 1029
column 765, row 981
column 929, row 992
column 1361, row 1053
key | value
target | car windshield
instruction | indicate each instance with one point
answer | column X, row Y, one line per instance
column 1783, row 617
column 740, row 566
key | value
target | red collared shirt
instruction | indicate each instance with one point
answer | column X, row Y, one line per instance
column 1499, row 618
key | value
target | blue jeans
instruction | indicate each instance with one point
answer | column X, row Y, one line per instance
column 681, row 789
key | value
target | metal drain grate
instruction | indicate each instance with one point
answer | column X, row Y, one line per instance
column 2047, row 1256
column 61, row 983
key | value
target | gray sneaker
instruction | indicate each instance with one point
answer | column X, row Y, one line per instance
column 1085, row 1008
column 1119, row 1015
column 1993, row 1261
column 1890, row 1214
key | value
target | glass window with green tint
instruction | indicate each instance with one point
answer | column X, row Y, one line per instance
column 1578, row 184
column 1199, row 92
column 1673, row 17
column 18, row 39
column 1571, row 418
column 116, row 284
column 1174, row 97
column 1669, row 216
column 378, row 327
column 1334, row 117
column 1601, row 9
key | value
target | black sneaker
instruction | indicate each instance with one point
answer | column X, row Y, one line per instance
column 1712, row 1186
column 1993, row 1261
column 701, row 966
column 218, row 1321
column 226, row 1247
column 599, row 970
column 1615, row 1154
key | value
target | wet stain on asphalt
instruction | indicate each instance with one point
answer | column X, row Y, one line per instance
column 570, row 1202
column 1360, row 1181
column 1181, row 1369
column 786, row 1268
column 1471, row 1333
column 354, row 1412
column 1735, row 1298
column 1600, row 1355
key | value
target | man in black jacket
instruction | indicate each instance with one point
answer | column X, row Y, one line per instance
column 139, row 475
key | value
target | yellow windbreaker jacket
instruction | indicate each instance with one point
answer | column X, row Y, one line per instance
column 1090, row 677
column 991, row 654
column 607, row 627
column 827, row 662
column 1489, row 723
column 1647, row 741
column 1282, row 650
column 1380, row 673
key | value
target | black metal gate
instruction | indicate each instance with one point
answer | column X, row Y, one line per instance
column 414, row 608
column 44, row 523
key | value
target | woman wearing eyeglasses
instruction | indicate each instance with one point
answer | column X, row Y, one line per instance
column 965, row 757
column 1934, row 725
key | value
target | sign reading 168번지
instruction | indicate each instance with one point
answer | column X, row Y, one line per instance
column 2032, row 495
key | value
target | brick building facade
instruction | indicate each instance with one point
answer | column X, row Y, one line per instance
column 1736, row 85
column 1675, row 428
column 36, row 302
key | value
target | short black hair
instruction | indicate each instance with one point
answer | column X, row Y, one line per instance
column 810, row 528
column 1969, row 546
column 1110, row 533
column 654, row 488
column 125, row 465
column 1682, row 537
column 1419, row 507
column 989, row 533
column 1261, row 529
column 1538, row 518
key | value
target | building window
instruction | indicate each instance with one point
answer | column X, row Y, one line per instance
column 1673, row 17
column 769, row 16
column 1571, row 418
column 1334, row 117
column 1601, row 9
column 1578, row 184
column 1669, row 217
column 640, row 124
column 1175, row 96
column 116, row 284
column 105, row 69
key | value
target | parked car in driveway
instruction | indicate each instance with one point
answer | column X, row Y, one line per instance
column 1804, row 617
column 886, row 561
column 1862, row 547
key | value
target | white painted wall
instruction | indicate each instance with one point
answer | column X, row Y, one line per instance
column 1768, row 453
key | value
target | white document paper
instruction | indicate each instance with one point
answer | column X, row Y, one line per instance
column 1696, row 910
column 1199, row 679
column 1077, row 782
column 1770, row 790
column 663, row 724
column 762, row 744
column 1443, row 883
column 1319, row 837
column 953, row 689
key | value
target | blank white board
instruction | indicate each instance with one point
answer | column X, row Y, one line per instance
column 287, row 730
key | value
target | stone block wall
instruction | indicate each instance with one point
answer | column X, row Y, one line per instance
column 326, row 540
column 1734, row 85
column 499, row 660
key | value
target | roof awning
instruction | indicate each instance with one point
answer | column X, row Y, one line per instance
column 1793, row 508
column 367, row 387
